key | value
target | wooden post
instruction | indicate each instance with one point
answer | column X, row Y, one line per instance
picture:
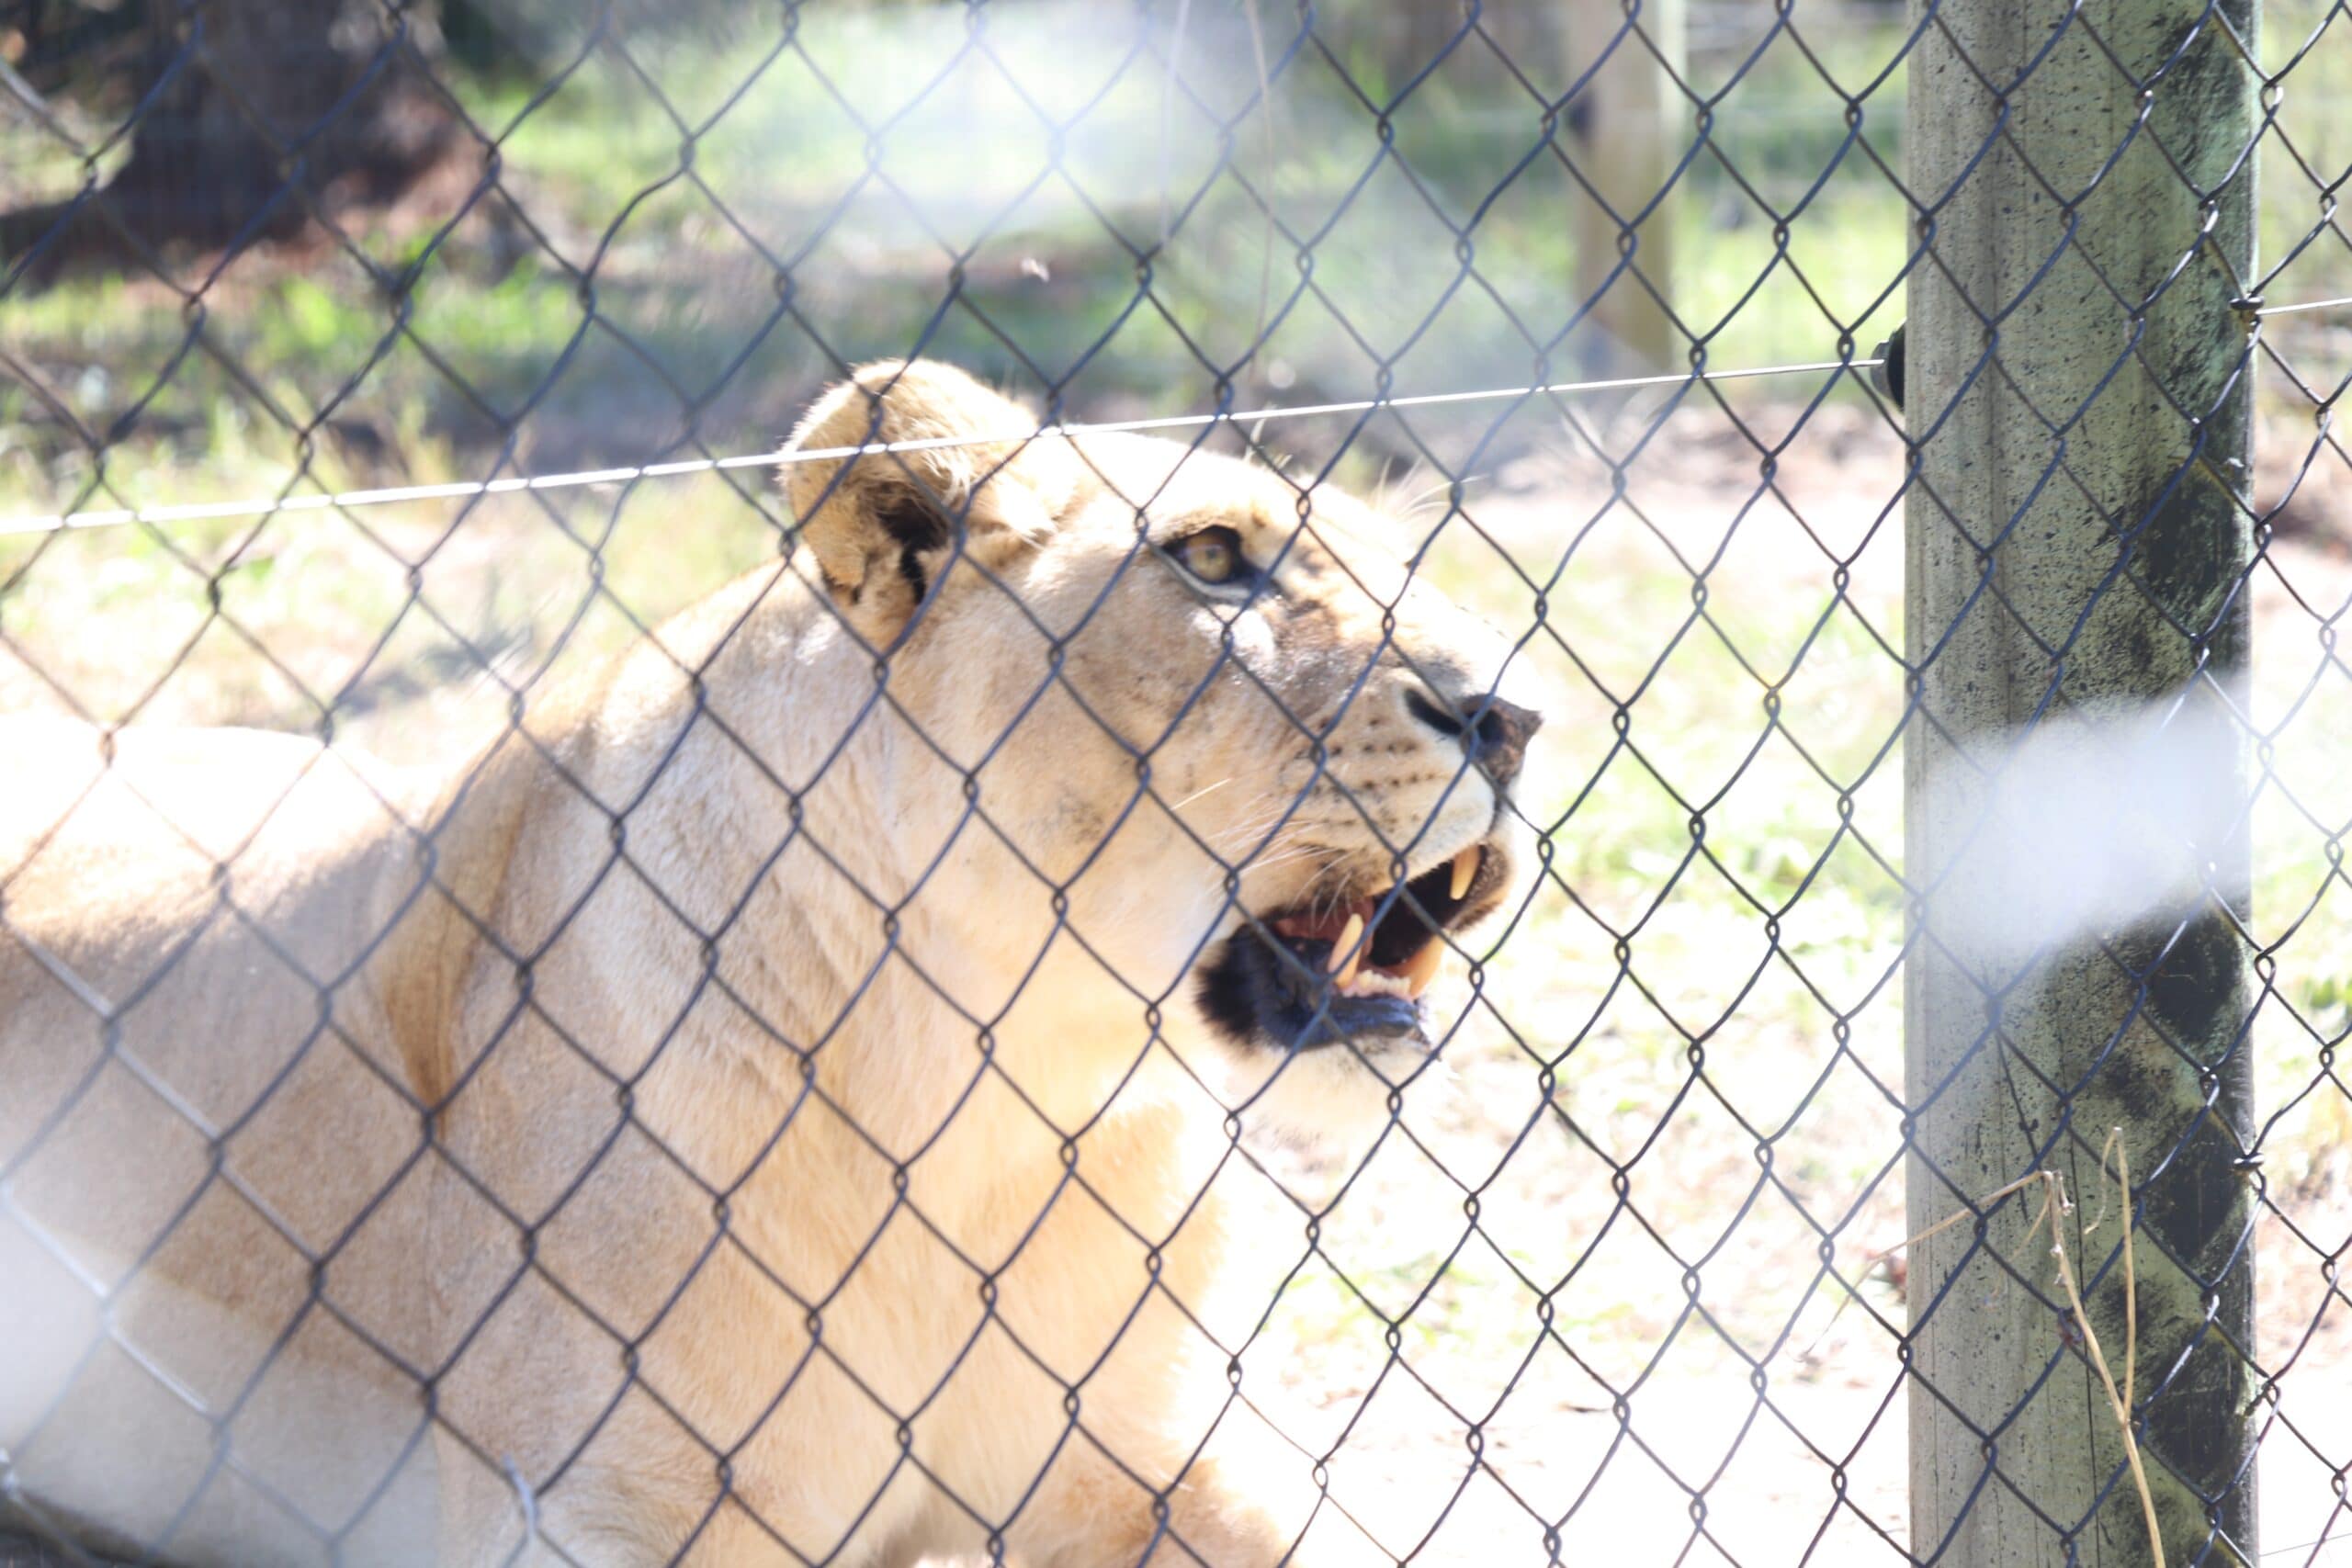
column 2076, row 386
column 1627, row 129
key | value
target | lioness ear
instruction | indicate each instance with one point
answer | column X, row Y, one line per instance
column 880, row 524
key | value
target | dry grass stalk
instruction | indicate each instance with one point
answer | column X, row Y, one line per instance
column 2053, row 1205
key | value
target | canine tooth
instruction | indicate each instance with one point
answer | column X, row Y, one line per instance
column 1420, row 970
column 1343, row 952
column 1465, row 871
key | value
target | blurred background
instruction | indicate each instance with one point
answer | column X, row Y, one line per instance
column 564, row 235
column 257, row 248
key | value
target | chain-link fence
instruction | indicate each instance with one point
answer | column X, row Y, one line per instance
column 1381, row 851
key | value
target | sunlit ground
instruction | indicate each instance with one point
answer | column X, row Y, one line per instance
column 1607, row 1391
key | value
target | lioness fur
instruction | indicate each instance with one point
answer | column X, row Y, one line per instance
column 762, row 1110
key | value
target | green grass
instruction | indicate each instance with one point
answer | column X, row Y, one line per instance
column 791, row 209
column 727, row 232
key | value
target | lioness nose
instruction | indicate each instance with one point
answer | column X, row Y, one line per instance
column 1494, row 732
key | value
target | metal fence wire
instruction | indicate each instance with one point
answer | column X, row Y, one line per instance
column 1374, row 848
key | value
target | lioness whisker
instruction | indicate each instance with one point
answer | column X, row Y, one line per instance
column 1204, row 791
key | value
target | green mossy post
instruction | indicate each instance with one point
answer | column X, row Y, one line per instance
column 2077, row 389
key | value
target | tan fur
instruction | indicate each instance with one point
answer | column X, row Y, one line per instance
column 699, row 1092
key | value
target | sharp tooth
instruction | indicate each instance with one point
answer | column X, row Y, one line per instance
column 1420, row 970
column 1343, row 952
column 1465, row 871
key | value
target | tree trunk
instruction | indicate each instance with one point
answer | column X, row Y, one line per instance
column 1627, row 129
column 264, row 116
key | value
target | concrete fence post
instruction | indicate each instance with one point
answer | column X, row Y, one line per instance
column 2077, row 391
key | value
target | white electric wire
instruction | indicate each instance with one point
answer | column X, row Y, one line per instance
column 2304, row 305
column 266, row 506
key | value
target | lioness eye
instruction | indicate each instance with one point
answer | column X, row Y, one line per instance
column 1213, row 555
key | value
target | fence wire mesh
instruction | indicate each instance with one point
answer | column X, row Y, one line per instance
column 796, row 1006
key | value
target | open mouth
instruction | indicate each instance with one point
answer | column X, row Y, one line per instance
column 1349, row 968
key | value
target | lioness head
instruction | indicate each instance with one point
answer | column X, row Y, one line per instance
column 1206, row 765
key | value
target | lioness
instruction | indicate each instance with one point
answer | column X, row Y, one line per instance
column 767, row 1108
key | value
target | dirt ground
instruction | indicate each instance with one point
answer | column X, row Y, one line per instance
column 1763, row 1414
column 1656, row 1367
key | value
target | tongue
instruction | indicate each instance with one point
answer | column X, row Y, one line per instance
column 1325, row 926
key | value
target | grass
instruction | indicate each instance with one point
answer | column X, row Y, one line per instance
column 843, row 249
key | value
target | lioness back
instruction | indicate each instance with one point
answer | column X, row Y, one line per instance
column 187, row 916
